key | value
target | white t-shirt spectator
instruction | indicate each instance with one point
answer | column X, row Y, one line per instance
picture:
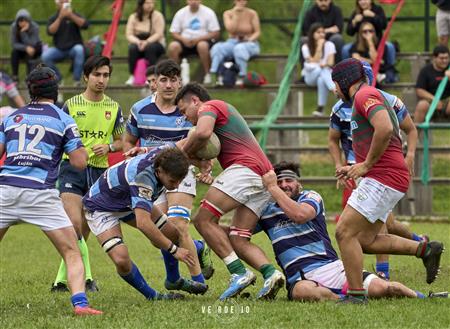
column 328, row 49
column 194, row 25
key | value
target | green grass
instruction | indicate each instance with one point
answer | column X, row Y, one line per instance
column 29, row 264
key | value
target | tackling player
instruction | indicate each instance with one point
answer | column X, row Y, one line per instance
column 100, row 122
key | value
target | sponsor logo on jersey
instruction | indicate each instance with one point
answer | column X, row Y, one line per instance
column 93, row 134
column 180, row 121
column 76, row 132
column 108, row 115
column 314, row 196
column 354, row 125
column 369, row 103
column 18, row 118
column 81, row 114
column 145, row 193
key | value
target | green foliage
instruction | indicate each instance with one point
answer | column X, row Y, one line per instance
column 29, row 264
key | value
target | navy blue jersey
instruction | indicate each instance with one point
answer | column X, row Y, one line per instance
column 341, row 115
column 35, row 138
column 154, row 128
column 298, row 248
column 128, row 185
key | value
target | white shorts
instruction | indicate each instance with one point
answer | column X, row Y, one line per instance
column 442, row 22
column 188, row 185
column 245, row 186
column 42, row 208
column 332, row 276
column 101, row 221
column 374, row 200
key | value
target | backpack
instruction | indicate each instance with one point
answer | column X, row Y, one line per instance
column 93, row 47
column 254, row 79
column 229, row 72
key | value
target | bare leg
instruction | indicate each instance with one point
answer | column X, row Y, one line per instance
column 74, row 208
column 203, row 53
column 379, row 288
column 3, row 232
column 421, row 111
column 398, row 228
column 174, row 51
column 382, row 258
column 310, row 291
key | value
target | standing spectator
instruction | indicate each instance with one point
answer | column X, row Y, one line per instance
column 330, row 15
column 194, row 29
column 242, row 25
column 65, row 27
column 145, row 33
column 427, row 83
column 365, row 49
column 368, row 11
column 319, row 58
column 25, row 42
column 442, row 20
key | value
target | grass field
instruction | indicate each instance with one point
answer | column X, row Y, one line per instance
column 29, row 264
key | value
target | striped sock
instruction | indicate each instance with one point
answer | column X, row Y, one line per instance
column 357, row 293
column 422, row 249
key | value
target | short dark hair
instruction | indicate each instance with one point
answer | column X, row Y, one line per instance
column 441, row 49
column 173, row 162
column 193, row 88
column 94, row 62
column 168, row 68
column 150, row 70
column 285, row 165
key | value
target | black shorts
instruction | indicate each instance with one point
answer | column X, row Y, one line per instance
column 76, row 181
column 290, row 288
column 191, row 51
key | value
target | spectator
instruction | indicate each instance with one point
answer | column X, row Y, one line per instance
column 25, row 42
column 8, row 87
column 145, row 33
column 368, row 11
column 427, row 83
column 330, row 15
column 319, row 58
column 242, row 25
column 442, row 20
column 194, row 29
column 65, row 27
column 365, row 49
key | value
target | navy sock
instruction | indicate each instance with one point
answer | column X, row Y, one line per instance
column 135, row 279
column 199, row 245
column 79, row 299
column 198, row 278
column 415, row 237
column 171, row 264
column 384, row 268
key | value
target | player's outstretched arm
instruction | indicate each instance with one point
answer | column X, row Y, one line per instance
column 128, row 142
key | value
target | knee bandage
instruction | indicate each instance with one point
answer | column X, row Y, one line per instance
column 242, row 232
column 111, row 243
column 179, row 211
column 216, row 211
column 161, row 221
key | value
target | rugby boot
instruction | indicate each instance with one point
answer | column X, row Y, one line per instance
column 353, row 300
column 206, row 263
column 91, row 285
column 271, row 286
column 238, row 282
column 443, row 294
column 59, row 287
column 433, row 259
column 79, row 310
column 168, row 296
column 190, row 286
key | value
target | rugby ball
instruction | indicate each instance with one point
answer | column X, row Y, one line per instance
column 212, row 148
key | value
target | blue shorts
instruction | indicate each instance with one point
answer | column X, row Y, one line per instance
column 72, row 180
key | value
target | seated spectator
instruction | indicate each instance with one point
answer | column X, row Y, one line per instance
column 25, row 42
column 145, row 33
column 194, row 29
column 330, row 15
column 442, row 20
column 368, row 11
column 8, row 87
column 242, row 25
column 319, row 58
column 65, row 27
column 428, row 81
column 365, row 49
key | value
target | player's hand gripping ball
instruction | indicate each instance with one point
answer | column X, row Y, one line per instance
column 212, row 148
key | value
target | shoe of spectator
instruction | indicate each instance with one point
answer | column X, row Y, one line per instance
column 219, row 81
column 381, row 77
column 77, row 84
column 239, row 82
column 130, row 81
column 207, row 80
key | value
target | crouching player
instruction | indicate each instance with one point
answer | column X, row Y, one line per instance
column 34, row 138
column 126, row 192
column 295, row 224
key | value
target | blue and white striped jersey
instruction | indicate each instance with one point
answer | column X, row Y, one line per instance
column 35, row 138
column 154, row 128
column 298, row 248
column 341, row 115
column 128, row 185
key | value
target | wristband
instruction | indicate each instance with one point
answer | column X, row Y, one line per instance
column 111, row 148
column 173, row 249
